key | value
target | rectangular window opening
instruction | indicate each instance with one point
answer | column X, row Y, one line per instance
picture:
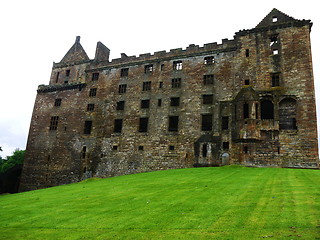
column 245, row 110
column 247, row 52
column 67, row 72
column 93, row 92
column 95, row 76
column 148, row 68
column 225, row 145
column 90, row 107
column 145, row 103
column 159, row 102
column 208, row 79
column 209, row 60
column 54, row 122
column 87, row 127
column 57, row 102
column 117, row 125
column 57, row 77
column 120, row 105
column 174, row 101
column 140, row 148
column 247, row 82
column 176, row 83
column 275, row 79
column 124, row 72
column 206, row 122
column 146, row 86
column 143, row 124
column 173, row 123
column 177, row 65
column 160, row 84
column 207, row 99
column 122, row 88
column 225, row 123
column 171, row 148
column 114, row 147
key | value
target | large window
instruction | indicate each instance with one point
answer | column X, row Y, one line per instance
column 173, row 123
column 206, row 122
column 143, row 124
column 176, row 83
column 117, row 125
column 54, row 122
column 267, row 111
column 124, row 72
column 87, row 127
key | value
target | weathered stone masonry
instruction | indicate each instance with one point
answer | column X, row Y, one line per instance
column 248, row 101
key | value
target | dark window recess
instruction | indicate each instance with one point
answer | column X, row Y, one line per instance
column 245, row 110
column 57, row 102
column 173, row 123
column 225, row 145
column 67, row 72
column 208, row 79
column 245, row 149
column 90, row 107
column 247, row 82
column 267, row 111
column 114, row 147
column 174, row 101
column 207, row 99
column 275, row 79
column 146, row 86
column 124, row 72
column 176, row 83
column 247, row 53
column 160, row 84
column 140, row 148
column 57, row 77
column 206, row 122
column 122, row 88
column 273, row 40
column 171, row 148
column 93, row 92
column 145, row 103
column 225, row 123
column 117, row 125
column 209, row 60
column 204, row 150
column 143, row 124
column 159, row 102
column 87, row 127
column 54, row 122
column 148, row 68
column 257, row 109
column 162, row 67
column 120, row 105
column 177, row 65
column 84, row 151
column 95, row 76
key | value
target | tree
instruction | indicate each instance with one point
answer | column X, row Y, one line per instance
column 15, row 159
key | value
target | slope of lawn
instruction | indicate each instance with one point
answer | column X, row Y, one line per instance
column 200, row 203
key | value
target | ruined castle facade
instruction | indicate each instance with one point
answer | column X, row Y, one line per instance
column 248, row 101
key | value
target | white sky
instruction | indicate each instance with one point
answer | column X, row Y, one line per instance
column 35, row 33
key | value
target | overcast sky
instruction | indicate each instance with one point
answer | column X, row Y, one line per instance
column 34, row 34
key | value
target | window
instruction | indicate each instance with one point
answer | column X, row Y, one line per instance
column 207, row 99
column 57, row 102
column 122, row 88
column 247, row 52
column 87, row 127
column 162, row 67
column 95, row 76
column 57, row 77
column 267, row 111
column 93, row 92
column 174, row 101
column 176, row 83
column 143, row 124
column 145, row 103
column 114, row 147
column 204, row 150
column 245, row 149
column 225, row 123
column 275, row 79
column 208, row 79
column 160, row 84
column 67, row 72
column 117, row 125
column 159, row 102
column 173, row 123
column 273, row 40
column 146, row 86
column 171, row 148
column 120, row 105
column 225, row 145
column 209, row 60
column 124, row 72
column 84, row 151
column 274, row 19
column 140, row 148
column 54, row 123
column 275, row 51
column 245, row 110
column 247, row 82
column 90, row 107
column 177, row 65
column 206, row 122
column 148, row 68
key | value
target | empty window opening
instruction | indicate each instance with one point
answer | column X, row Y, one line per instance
column 90, row 107
column 174, row 101
column 275, row 51
column 245, row 149
column 209, row 60
column 245, row 110
column 204, row 150
column 145, row 103
column 173, row 123
column 273, row 40
column 208, row 79
column 177, row 65
column 146, row 86
column 122, row 88
column 57, row 102
column 267, row 111
column 160, row 84
column 247, row 82
column 114, row 147
column 176, row 83
column 287, row 114
column 87, row 127
column 57, row 77
column 140, row 148
column 124, row 72
column 162, row 67
column 95, row 76
column 84, row 151
column 93, row 92
column 148, row 68
column 143, row 124
column 225, row 145
column 207, row 99
column 206, row 122
column 257, row 109
column 159, row 102
column 247, row 52
column 67, row 72
column 171, row 148
column 278, row 150
column 117, row 125
column 225, row 123
column 54, row 122
column 274, row 19
column 120, row 105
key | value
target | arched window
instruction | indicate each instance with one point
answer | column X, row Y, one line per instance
column 267, row 110
column 287, row 114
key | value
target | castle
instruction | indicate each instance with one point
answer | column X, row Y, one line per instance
column 247, row 101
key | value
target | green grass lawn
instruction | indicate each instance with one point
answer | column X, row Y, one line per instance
column 200, row 203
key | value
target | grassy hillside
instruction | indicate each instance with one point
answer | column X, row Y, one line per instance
column 199, row 203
